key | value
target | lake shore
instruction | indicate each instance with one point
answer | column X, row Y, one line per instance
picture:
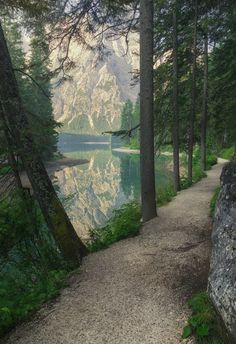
column 126, row 150
column 136, row 151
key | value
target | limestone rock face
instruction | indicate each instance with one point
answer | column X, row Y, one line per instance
column 222, row 279
column 92, row 101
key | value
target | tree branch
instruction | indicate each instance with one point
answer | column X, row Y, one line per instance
column 122, row 133
column 34, row 81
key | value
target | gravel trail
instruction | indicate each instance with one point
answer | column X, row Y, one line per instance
column 135, row 292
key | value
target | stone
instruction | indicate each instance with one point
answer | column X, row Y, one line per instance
column 222, row 277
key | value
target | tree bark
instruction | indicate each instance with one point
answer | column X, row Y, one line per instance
column 175, row 101
column 147, row 156
column 10, row 150
column 205, row 106
column 55, row 216
column 193, row 106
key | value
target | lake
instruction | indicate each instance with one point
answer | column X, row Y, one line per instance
column 92, row 191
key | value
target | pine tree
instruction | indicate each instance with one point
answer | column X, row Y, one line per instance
column 38, row 103
column 55, row 216
column 127, row 118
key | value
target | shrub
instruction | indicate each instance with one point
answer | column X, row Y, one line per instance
column 204, row 323
column 211, row 160
column 31, row 268
column 197, row 172
column 5, row 170
column 227, row 153
column 124, row 223
column 165, row 195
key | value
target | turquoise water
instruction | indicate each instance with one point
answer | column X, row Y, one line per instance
column 109, row 180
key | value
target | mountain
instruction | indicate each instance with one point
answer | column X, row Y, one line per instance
column 91, row 102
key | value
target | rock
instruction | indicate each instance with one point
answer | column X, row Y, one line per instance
column 222, row 278
column 92, row 101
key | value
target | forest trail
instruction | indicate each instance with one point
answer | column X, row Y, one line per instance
column 135, row 292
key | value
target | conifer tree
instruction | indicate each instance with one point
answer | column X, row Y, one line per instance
column 38, row 103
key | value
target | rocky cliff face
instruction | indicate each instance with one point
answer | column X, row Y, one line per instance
column 91, row 102
column 222, row 279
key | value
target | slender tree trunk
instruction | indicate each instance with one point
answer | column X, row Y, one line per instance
column 205, row 106
column 11, row 156
column 55, row 216
column 193, row 106
column 175, row 101
column 148, row 192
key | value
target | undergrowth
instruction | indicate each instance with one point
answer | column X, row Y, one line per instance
column 227, row 153
column 165, row 195
column 204, row 323
column 32, row 270
column 197, row 172
column 124, row 223
column 5, row 170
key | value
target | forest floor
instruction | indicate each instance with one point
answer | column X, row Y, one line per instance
column 136, row 291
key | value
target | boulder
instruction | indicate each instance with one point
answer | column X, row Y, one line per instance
column 222, row 277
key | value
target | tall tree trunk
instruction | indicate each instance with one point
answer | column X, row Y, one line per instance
column 205, row 106
column 55, row 216
column 175, row 100
column 193, row 106
column 10, row 150
column 148, row 192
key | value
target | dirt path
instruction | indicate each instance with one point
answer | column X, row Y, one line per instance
column 135, row 292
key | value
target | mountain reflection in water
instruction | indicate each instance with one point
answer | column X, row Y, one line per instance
column 109, row 180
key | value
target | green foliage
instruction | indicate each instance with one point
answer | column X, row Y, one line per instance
column 5, row 170
column 31, row 268
column 134, row 143
column 204, row 323
column 21, row 296
column 222, row 71
column 36, row 101
column 211, row 160
column 214, row 201
column 124, row 223
column 227, row 153
column 198, row 174
column 130, row 118
column 165, row 195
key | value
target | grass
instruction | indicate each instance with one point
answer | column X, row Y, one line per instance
column 204, row 322
column 214, row 201
column 125, row 222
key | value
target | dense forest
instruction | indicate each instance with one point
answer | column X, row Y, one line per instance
column 186, row 107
